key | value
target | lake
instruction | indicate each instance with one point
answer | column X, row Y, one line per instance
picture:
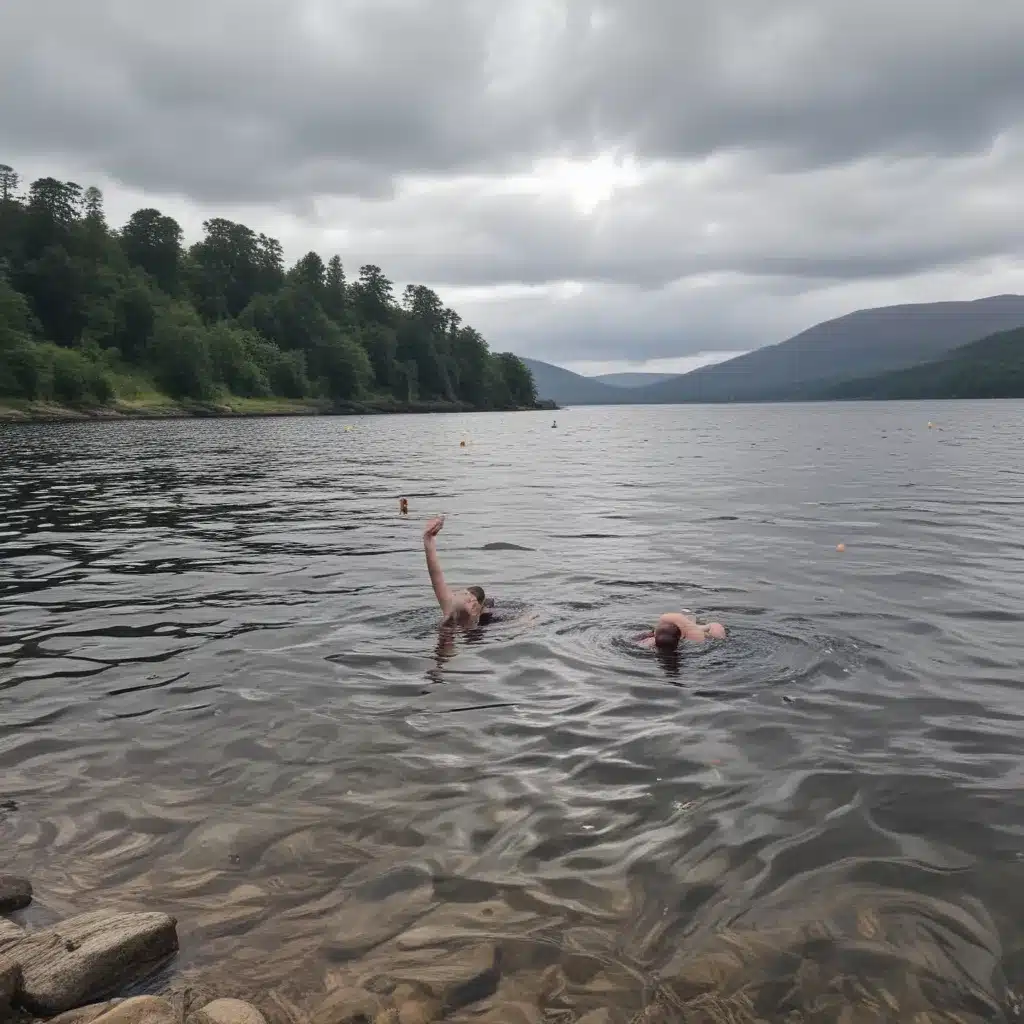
column 224, row 696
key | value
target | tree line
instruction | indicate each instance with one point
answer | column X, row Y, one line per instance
column 84, row 306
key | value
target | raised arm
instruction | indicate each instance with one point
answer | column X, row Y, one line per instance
column 437, row 581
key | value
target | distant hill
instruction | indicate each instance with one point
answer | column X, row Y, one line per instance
column 861, row 344
column 567, row 388
column 990, row 368
column 632, row 380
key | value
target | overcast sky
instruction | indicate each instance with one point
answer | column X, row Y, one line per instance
column 599, row 183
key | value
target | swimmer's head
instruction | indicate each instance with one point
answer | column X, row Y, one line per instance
column 468, row 605
column 667, row 636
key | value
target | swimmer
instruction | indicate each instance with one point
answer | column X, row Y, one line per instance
column 459, row 607
column 674, row 626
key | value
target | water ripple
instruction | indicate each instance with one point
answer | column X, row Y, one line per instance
column 225, row 694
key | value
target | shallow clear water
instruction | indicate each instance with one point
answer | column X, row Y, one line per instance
column 223, row 694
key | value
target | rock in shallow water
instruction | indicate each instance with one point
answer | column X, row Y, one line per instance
column 462, row 977
column 85, row 1014
column 87, row 957
column 348, row 1005
column 15, row 893
column 228, row 1011
column 140, row 1010
column 10, row 987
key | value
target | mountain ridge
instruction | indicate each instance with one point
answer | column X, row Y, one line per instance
column 991, row 367
column 863, row 344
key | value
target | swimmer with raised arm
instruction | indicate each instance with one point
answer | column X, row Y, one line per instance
column 459, row 607
column 674, row 627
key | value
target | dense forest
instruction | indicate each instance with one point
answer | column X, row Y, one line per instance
column 89, row 314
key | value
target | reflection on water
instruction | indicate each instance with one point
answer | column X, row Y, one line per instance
column 224, row 695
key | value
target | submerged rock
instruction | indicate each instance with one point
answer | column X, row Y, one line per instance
column 140, row 1010
column 87, row 957
column 228, row 1011
column 463, row 977
column 380, row 908
column 348, row 1005
column 15, row 893
column 10, row 988
column 85, row 1014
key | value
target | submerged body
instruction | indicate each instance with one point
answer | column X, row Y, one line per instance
column 673, row 628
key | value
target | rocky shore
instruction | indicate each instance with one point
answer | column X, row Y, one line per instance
column 77, row 971
column 107, row 967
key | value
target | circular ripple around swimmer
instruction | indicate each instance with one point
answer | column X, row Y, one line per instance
column 750, row 661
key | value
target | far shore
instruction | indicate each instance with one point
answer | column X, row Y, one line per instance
column 51, row 412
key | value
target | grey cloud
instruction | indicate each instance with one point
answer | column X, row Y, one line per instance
column 797, row 157
column 258, row 99
column 807, row 80
column 864, row 220
column 268, row 99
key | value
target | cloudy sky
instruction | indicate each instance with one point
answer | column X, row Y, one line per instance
column 605, row 184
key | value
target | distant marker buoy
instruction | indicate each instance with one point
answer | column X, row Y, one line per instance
column 403, row 506
column 840, row 548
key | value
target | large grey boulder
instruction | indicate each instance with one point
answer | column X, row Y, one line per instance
column 85, row 958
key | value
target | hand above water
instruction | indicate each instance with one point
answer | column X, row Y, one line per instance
column 433, row 528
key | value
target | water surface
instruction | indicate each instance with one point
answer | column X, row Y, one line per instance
column 223, row 694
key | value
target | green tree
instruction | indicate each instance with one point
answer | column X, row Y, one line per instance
column 230, row 266
column 152, row 241
column 335, row 298
column 235, row 355
column 310, row 273
column 180, row 354
column 341, row 366
column 9, row 182
column 518, row 380
column 17, row 324
column 55, row 284
column 51, row 214
column 79, row 301
column 374, row 295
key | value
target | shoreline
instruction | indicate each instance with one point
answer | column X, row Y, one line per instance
column 13, row 412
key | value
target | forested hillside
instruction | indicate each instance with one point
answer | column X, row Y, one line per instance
column 89, row 314
column 990, row 368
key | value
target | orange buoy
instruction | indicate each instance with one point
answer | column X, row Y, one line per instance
column 403, row 506
column 840, row 548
